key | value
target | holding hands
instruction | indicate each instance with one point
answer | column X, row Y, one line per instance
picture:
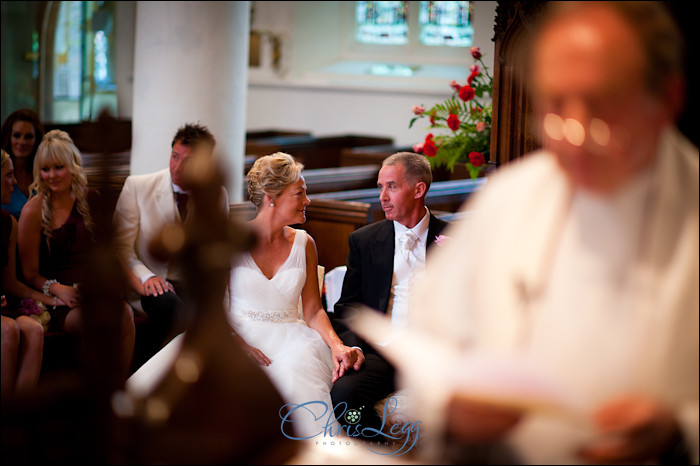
column 66, row 294
column 345, row 358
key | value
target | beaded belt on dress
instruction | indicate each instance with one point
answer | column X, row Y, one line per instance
column 269, row 316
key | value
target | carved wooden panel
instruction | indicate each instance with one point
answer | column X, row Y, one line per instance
column 513, row 131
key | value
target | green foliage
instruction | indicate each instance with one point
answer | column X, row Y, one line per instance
column 474, row 131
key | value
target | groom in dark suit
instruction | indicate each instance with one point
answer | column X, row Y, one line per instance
column 384, row 259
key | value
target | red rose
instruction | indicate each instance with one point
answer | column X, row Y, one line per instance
column 466, row 93
column 453, row 122
column 476, row 159
column 476, row 52
column 429, row 148
column 454, row 85
column 471, row 77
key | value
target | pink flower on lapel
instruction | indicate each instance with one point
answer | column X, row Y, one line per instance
column 441, row 240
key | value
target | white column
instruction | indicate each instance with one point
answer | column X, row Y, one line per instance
column 190, row 66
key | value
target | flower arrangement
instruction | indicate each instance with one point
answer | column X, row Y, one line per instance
column 467, row 116
column 36, row 311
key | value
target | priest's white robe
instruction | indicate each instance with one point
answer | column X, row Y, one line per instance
column 601, row 293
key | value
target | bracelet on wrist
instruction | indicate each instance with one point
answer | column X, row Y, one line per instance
column 47, row 285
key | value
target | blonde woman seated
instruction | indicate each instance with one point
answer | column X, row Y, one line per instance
column 302, row 359
column 56, row 236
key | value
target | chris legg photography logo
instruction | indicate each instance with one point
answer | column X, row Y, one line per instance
column 404, row 436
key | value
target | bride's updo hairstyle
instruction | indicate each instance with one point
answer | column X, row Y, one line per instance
column 270, row 175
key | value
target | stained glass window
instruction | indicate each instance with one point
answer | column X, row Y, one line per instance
column 83, row 77
column 101, row 58
column 382, row 23
column 446, row 23
column 67, row 54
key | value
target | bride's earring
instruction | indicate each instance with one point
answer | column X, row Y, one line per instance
column 272, row 204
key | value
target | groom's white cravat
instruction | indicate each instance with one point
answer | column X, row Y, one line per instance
column 408, row 241
column 409, row 260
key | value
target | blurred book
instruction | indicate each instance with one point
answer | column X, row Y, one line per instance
column 431, row 363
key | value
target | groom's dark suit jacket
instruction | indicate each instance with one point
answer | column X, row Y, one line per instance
column 370, row 267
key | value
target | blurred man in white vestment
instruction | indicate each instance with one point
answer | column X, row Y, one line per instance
column 583, row 257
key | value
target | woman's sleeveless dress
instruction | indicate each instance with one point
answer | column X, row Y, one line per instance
column 264, row 312
column 65, row 255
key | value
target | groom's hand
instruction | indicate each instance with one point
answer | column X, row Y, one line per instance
column 345, row 359
column 359, row 359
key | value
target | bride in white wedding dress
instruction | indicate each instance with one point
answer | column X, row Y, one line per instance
column 263, row 312
column 301, row 357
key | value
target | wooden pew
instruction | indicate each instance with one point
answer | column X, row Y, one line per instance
column 321, row 180
column 248, row 162
column 376, row 154
column 450, row 216
column 332, row 216
column 91, row 136
column 328, row 221
column 442, row 196
column 254, row 137
column 364, row 155
column 266, row 146
column 242, row 211
column 271, row 133
column 313, row 152
column 116, row 166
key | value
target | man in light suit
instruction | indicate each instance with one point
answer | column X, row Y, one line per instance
column 385, row 259
column 146, row 204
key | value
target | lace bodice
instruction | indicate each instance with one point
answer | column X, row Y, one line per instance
column 255, row 297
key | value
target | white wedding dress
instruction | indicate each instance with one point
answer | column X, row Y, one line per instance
column 264, row 312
